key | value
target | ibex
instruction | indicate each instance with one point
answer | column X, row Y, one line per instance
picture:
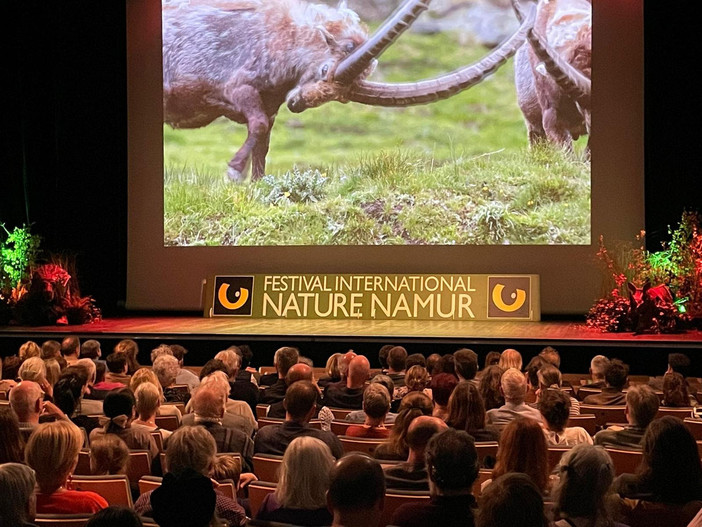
column 242, row 59
column 553, row 71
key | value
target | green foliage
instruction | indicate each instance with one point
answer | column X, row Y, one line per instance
column 18, row 253
column 294, row 187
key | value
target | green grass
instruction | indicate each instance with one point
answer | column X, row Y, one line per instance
column 453, row 172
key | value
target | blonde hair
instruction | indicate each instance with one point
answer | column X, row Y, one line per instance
column 32, row 369
column 109, row 454
column 52, row 451
column 510, row 358
column 29, row 349
column 332, row 367
column 417, row 378
column 191, row 447
column 227, row 467
column 304, row 474
column 89, row 365
column 145, row 375
column 230, row 360
column 53, row 371
column 148, row 399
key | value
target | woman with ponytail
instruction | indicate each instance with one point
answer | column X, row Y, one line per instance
column 413, row 405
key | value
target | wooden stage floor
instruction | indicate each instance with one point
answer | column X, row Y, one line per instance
column 193, row 327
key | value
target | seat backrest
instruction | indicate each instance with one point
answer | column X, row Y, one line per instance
column 61, row 520
column 338, row 427
column 139, row 464
column 554, row 455
column 179, row 406
column 605, row 414
column 680, row 412
column 149, row 483
column 695, row 427
column 4, row 395
column 114, row 488
column 341, row 413
column 262, row 410
column 486, row 449
column 625, row 461
column 83, row 466
column 584, row 392
column 586, row 421
column 394, row 499
column 266, row 421
column 258, row 490
column 266, row 467
column 359, row 444
column 226, row 488
column 167, row 422
column 639, row 513
column 158, row 439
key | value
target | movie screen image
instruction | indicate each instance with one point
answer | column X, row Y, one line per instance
column 376, row 122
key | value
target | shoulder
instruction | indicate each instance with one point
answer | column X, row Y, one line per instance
column 87, row 499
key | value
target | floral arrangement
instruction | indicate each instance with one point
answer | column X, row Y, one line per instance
column 652, row 292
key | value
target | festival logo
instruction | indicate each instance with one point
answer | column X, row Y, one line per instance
column 233, row 295
column 508, row 296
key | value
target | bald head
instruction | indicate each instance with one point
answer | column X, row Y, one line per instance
column 299, row 372
column 421, row 430
column 356, row 486
column 344, row 362
column 359, row 371
column 26, row 400
column 208, row 402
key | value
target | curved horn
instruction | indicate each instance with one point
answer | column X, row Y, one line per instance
column 353, row 65
column 445, row 86
column 570, row 79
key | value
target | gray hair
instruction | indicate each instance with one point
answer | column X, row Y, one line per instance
column 17, row 483
column 304, row 474
column 32, row 369
column 599, row 364
column 513, row 384
column 166, row 368
column 230, row 359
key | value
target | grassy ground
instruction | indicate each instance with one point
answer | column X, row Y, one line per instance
column 454, row 172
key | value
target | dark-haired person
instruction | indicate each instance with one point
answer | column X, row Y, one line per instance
column 11, row 442
column 677, row 363
column 356, row 491
column 359, row 416
column 68, row 396
column 383, row 357
column 432, row 361
column 492, row 359
column 397, row 363
column 131, row 350
column 415, row 359
column 117, row 367
column 115, row 515
column 465, row 361
column 675, row 392
column 90, row 349
column 70, row 349
column 512, row 500
column 452, row 466
column 555, row 408
column 616, row 376
column 395, row 446
column 184, row 376
column 466, row 411
column 641, row 408
column 490, row 387
column 283, row 360
column 442, row 386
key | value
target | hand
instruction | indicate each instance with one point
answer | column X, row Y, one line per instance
column 246, row 478
column 49, row 408
column 46, row 387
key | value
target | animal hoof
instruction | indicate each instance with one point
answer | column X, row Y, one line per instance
column 235, row 175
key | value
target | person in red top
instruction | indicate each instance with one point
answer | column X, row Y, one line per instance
column 376, row 405
column 52, row 451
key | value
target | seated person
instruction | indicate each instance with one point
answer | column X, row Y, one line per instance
column 190, row 458
column 116, row 376
column 598, row 367
column 356, row 491
column 332, row 374
column 554, row 408
column 52, row 451
column 641, row 408
column 300, row 405
column 465, row 361
column 166, row 368
column 110, row 455
column 283, row 360
column 550, row 378
column 467, row 412
column 115, row 515
column 417, row 379
column 359, row 416
column 513, row 386
column 512, row 500
column 397, row 362
column 452, row 466
column 297, row 372
column 148, row 401
column 395, row 446
column 376, row 405
column 675, row 392
column 616, row 377
column 349, row 395
column 442, row 386
column 300, row 496
column 412, row 474
column 677, row 363
column 17, row 482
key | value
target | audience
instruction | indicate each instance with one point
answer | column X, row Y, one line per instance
column 490, row 388
column 283, row 360
column 297, row 372
column 452, row 466
column 550, row 379
column 145, row 375
column 675, row 392
column 350, row 394
column 510, row 358
column 300, row 496
column 513, row 387
column 11, row 442
column 166, row 368
column 677, row 363
column 356, row 491
column 17, row 506
column 555, row 409
column 332, row 374
column 376, row 405
column 641, row 408
column 52, row 451
column 466, row 411
column 465, row 361
column 412, row 474
column 616, row 376
column 396, row 447
column 442, row 386
column 70, row 349
column 512, row 500
column 68, row 396
column 117, row 367
column 115, row 516
column 131, row 350
column 397, row 362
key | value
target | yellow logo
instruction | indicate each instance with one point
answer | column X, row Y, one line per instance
column 519, row 296
column 242, row 296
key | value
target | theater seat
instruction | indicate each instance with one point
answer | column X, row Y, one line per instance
column 640, row 513
column 114, row 488
column 61, row 520
column 394, row 499
column 258, row 490
column 625, row 461
column 266, row 467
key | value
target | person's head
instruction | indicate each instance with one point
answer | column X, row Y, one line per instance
column 209, row 403
column 675, row 390
column 304, row 474
column 230, row 360
column 490, row 389
column 218, row 381
column 11, row 443
column 549, row 377
column 10, row 367
column 356, row 491
column 397, row 359
column 300, row 401
column 412, row 406
column 359, row 371
column 245, row 354
column 115, row 515
column 332, row 366
column 452, row 463
column 90, row 349
column 598, row 367
column 299, row 372
column 116, row 363
column 492, row 358
column 551, row 356
column 185, row 499
column 50, row 349
column 417, row 378
column 191, row 447
column 415, row 359
column 166, row 368
column 531, row 372
column 32, row 369
column 678, row 363
column 131, row 349
column 227, row 467
column 376, row 401
column 512, row 499
column 52, row 451
column 212, row 366
column 100, row 370
column 519, row 436
column 145, row 375
column 641, row 405
column 466, row 363
column 442, row 386
column 90, row 369
column 420, row 431
column 555, row 409
column 70, row 346
column 513, row 386
column 432, row 361
column 53, row 371
column 585, row 474
column 385, row 381
column 383, row 355
column 29, row 349
column 466, row 409
column 510, row 358
column 616, row 374
column 68, row 392
column 161, row 349
column 671, row 462
column 109, row 454
column 179, row 352
column 445, row 365
column 17, row 501
column 284, row 359
column 344, row 362
column 306, row 360
column 118, row 407
column 148, row 399
column 26, row 400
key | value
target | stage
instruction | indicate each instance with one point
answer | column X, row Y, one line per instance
column 318, row 338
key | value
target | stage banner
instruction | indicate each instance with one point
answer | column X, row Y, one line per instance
column 375, row 296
